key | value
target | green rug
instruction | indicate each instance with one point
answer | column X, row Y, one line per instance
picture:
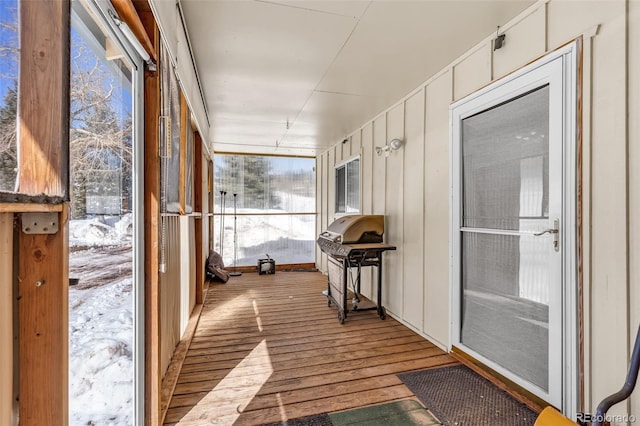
column 400, row 413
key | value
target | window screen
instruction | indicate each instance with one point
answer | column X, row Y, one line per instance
column 272, row 212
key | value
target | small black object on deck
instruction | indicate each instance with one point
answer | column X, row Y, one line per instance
column 266, row 266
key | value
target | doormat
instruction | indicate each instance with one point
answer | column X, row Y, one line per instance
column 458, row 396
column 399, row 413
column 315, row 420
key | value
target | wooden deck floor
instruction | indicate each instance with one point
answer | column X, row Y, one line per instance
column 267, row 349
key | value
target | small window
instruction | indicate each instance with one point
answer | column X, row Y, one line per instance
column 348, row 186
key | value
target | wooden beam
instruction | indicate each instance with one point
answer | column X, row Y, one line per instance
column 44, row 169
column 6, row 318
column 43, row 277
column 153, row 375
column 44, row 98
column 14, row 198
column 197, row 207
column 184, row 128
column 210, row 202
column 127, row 13
column 29, row 207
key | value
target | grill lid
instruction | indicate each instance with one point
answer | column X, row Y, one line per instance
column 354, row 229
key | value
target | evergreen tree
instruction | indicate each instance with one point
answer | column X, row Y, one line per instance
column 250, row 177
column 8, row 148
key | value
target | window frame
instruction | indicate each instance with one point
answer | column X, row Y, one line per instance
column 345, row 165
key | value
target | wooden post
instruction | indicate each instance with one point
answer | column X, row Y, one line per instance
column 44, row 98
column 198, row 177
column 43, row 277
column 6, row 318
column 153, row 375
column 44, row 169
column 210, row 202
column 185, row 126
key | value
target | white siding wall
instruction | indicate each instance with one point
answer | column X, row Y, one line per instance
column 412, row 210
column 411, row 187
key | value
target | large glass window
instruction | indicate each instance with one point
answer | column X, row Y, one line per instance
column 264, row 205
column 9, row 58
column 102, row 228
column 348, row 186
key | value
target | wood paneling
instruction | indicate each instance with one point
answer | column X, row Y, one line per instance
column 355, row 143
column 199, row 171
column 185, row 127
column 331, row 183
column 319, row 195
column 393, row 288
column 379, row 166
column 325, row 203
column 436, row 273
column 473, row 72
column 366, row 196
column 153, row 374
column 43, row 326
column 366, row 172
column 44, row 98
column 267, row 348
column 6, row 317
column 413, row 211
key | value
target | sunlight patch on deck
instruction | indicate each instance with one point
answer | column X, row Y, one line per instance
column 228, row 400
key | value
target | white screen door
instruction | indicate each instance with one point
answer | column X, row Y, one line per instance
column 508, row 228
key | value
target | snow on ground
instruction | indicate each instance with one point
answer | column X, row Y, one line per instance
column 285, row 238
column 99, row 232
column 100, row 355
column 100, row 323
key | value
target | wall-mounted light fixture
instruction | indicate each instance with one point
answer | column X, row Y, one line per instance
column 393, row 145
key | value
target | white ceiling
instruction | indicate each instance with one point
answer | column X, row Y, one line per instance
column 323, row 67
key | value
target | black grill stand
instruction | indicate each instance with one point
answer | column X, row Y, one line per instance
column 357, row 258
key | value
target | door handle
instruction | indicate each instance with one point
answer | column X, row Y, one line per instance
column 546, row 231
column 555, row 231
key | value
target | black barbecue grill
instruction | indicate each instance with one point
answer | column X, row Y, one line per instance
column 353, row 241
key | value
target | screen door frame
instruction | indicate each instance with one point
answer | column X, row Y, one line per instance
column 560, row 70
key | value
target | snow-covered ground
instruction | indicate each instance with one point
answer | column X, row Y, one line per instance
column 100, row 323
column 285, row 238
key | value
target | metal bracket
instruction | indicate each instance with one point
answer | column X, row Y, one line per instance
column 40, row 223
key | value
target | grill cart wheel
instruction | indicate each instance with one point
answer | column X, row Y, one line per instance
column 383, row 313
column 341, row 317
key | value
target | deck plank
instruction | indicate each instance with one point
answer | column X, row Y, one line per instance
column 268, row 349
